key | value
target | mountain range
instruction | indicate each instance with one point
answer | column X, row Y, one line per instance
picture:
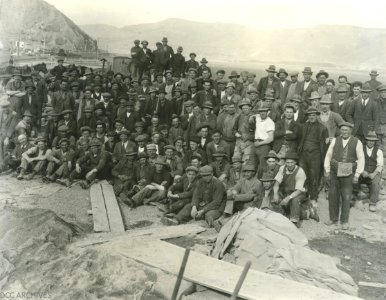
column 33, row 21
column 345, row 46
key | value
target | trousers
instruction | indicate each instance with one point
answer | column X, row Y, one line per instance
column 339, row 197
column 210, row 216
column 310, row 162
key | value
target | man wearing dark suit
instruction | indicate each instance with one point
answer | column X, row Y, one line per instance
column 192, row 63
column 282, row 86
column 129, row 116
column 307, row 86
column 267, row 84
column 342, row 103
column 363, row 114
column 216, row 144
column 312, row 148
column 165, row 108
column 168, row 51
column 295, row 87
column 177, row 62
column 59, row 69
column 31, row 103
column 124, row 146
column 207, row 95
column 287, row 130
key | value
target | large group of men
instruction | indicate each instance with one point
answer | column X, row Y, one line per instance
column 199, row 144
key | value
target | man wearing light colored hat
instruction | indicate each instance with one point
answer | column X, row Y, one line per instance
column 372, row 173
column 343, row 164
column 363, row 113
column 331, row 120
column 267, row 84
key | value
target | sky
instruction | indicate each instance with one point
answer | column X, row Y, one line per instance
column 261, row 14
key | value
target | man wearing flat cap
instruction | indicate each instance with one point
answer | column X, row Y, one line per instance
column 343, row 164
column 208, row 199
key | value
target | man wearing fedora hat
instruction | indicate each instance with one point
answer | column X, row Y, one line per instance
column 31, row 102
column 289, row 190
column 265, row 198
column 220, row 165
column 372, row 173
column 343, row 164
column 216, row 143
column 272, row 165
column 282, row 86
column 124, row 146
column 312, row 148
column 203, row 67
column 374, row 84
column 191, row 63
column 238, row 86
column 307, row 85
column 267, row 84
column 363, row 113
column 331, row 120
column 25, row 126
column 168, row 51
column 231, row 95
column 207, row 95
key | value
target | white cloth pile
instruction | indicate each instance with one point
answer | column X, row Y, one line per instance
column 275, row 246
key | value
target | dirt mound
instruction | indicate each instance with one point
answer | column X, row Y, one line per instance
column 35, row 259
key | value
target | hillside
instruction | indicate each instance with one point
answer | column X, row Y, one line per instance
column 324, row 44
column 35, row 20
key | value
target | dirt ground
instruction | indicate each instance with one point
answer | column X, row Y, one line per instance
column 364, row 243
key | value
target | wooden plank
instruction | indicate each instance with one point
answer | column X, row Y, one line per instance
column 217, row 274
column 113, row 212
column 162, row 232
column 372, row 284
column 99, row 214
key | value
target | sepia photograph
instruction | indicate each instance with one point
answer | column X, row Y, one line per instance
column 203, row 150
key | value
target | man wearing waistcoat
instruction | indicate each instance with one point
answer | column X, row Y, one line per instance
column 371, row 176
column 343, row 165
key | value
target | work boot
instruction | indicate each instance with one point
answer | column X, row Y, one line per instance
column 51, row 178
column 345, row 226
column 331, row 223
column 30, row 176
column 314, row 214
column 372, row 208
column 217, row 225
column 63, row 181
column 21, row 175
column 84, row 184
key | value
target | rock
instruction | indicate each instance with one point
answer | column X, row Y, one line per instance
column 368, row 227
column 369, row 263
column 346, row 257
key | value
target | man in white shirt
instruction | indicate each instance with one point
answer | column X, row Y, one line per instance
column 263, row 134
column 343, row 164
column 372, row 173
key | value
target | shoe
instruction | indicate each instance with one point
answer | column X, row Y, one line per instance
column 20, row 176
column 298, row 224
column 314, row 214
column 345, row 226
column 169, row 221
column 129, row 202
column 64, row 182
column 331, row 223
column 372, row 208
column 217, row 225
column 29, row 176
column 84, row 185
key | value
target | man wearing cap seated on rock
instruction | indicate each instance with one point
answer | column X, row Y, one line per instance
column 124, row 146
column 173, row 162
column 34, row 158
column 272, row 165
column 60, row 161
column 160, row 180
column 68, row 120
column 243, row 193
column 372, row 173
column 91, row 166
column 220, row 165
column 63, row 132
column 179, row 195
column 343, row 164
column 208, row 200
column 312, row 148
column 12, row 159
column 289, row 191
column 25, row 126
column 124, row 175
